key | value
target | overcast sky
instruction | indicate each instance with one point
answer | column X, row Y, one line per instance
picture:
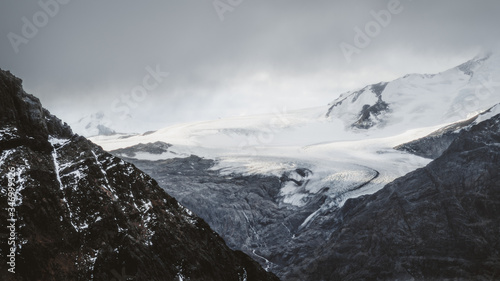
column 227, row 57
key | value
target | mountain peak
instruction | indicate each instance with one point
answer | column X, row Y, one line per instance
column 470, row 66
column 25, row 110
column 95, row 124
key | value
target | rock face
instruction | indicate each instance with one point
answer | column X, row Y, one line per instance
column 439, row 222
column 157, row 148
column 370, row 114
column 80, row 213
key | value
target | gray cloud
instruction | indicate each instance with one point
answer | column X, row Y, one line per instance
column 264, row 54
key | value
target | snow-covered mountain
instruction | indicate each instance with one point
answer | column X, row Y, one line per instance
column 417, row 100
column 93, row 125
column 299, row 167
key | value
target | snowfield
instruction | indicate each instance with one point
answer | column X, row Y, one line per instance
column 339, row 160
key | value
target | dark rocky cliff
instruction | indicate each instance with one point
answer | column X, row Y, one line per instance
column 83, row 214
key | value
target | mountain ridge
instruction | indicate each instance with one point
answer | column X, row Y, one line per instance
column 434, row 144
column 411, row 94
